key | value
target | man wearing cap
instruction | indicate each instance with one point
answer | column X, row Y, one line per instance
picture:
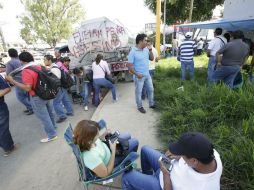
column 187, row 49
column 195, row 166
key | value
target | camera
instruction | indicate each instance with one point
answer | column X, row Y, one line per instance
column 112, row 137
column 167, row 163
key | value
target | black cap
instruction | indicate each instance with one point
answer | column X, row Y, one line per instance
column 192, row 145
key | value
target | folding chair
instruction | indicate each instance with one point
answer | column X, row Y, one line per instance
column 86, row 177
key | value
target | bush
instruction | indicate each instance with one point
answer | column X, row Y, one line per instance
column 224, row 115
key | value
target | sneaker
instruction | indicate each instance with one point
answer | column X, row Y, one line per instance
column 26, row 111
column 30, row 113
column 48, row 140
column 60, row 120
column 86, row 108
column 70, row 114
column 114, row 101
column 142, row 110
column 15, row 147
column 152, row 107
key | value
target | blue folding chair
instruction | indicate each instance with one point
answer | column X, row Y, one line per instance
column 86, row 176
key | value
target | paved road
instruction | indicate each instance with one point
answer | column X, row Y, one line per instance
column 37, row 166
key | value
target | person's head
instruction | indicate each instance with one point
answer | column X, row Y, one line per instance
column 98, row 58
column 201, row 39
column 26, row 57
column 149, row 42
column 188, row 35
column 85, row 134
column 48, row 60
column 13, row 53
column 78, row 71
column 218, row 31
column 57, row 53
column 141, row 40
column 238, row 34
column 194, row 148
column 66, row 61
column 227, row 36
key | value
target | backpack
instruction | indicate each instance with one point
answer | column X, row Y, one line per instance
column 66, row 79
column 47, row 85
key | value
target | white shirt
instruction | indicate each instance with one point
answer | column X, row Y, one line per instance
column 100, row 69
column 216, row 44
column 55, row 70
column 152, row 63
column 184, row 177
column 200, row 44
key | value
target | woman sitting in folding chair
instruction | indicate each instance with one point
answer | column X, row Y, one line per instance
column 96, row 154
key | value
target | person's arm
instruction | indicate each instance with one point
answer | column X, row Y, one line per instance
column 107, row 68
column 166, row 177
column 104, row 171
column 151, row 56
column 26, row 87
column 4, row 91
column 218, row 54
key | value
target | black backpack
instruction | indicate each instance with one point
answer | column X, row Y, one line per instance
column 47, row 85
column 66, row 79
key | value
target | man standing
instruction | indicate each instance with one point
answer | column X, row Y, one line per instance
column 43, row 109
column 234, row 54
column 200, row 46
column 62, row 98
column 138, row 65
column 217, row 43
column 187, row 49
column 6, row 141
column 21, row 95
column 175, row 46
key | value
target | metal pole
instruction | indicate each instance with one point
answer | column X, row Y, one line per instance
column 158, row 22
column 164, row 29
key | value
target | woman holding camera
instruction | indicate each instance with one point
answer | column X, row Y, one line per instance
column 96, row 154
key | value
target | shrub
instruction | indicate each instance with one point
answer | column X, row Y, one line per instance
column 224, row 115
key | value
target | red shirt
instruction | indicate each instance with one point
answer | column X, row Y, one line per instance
column 29, row 77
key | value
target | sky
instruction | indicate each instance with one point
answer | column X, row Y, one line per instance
column 131, row 13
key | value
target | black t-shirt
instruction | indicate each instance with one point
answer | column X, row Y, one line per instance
column 3, row 85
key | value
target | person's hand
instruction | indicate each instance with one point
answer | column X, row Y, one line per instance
column 112, row 146
column 9, row 78
column 139, row 76
column 163, row 168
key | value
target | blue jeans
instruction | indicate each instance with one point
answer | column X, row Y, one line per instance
column 185, row 65
column 61, row 99
column 146, row 80
column 97, row 83
column 227, row 74
column 23, row 97
column 149, row 179
column 43, row 109
column 85, row 92
column 210, row 69
column 6, row 141
column 144, row 90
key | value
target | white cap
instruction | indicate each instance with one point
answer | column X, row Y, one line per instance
column 188, row 34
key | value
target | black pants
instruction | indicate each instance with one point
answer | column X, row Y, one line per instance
column 6, row 141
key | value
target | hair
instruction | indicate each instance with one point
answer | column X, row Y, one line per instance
column 13, row 53
column 218, row 31
column 76, row 71
column 98, row 58
column 65, row 59
column 84, row 133
column 227, row 36
column 140, row 37
column 206, row 160
column 26, row 57
column 238, row 34
column 49, row 58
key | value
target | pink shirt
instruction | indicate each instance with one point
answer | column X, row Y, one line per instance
column 62, row 66
column 100, row 69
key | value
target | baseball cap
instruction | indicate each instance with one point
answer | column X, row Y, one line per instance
column 188, row 34
column 192, row 145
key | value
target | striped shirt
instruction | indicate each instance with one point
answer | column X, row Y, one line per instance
column 187, row 48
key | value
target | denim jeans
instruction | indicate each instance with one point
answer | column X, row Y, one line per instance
column 149, row 179
column 185, row 65
column 43, row 109
column 62, row 99
column 24, row 98
column 6, row 141
column 146, row 80
column 144, row 90
column 227, row 74
column 97, row 83
column 85, row 92
column 210, row 69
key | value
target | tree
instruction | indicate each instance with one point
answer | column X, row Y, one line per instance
column 1, row 33
column 178, row 10
column 49, row 20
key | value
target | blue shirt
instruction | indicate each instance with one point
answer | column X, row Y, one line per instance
column 140, row 59
column 12, row 65
column 3, row 85
column 187, row 48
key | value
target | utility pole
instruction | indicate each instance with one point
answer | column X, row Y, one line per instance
column 191, row 10
column 158, row 23
column 164, row 29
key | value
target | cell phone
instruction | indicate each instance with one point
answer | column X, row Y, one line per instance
column 114, row 137
column 167, row 163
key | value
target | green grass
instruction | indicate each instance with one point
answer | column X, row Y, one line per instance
column 224, row 115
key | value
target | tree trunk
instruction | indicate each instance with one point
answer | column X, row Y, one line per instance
column 191, row 10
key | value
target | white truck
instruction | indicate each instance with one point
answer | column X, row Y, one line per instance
column 101, row 36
